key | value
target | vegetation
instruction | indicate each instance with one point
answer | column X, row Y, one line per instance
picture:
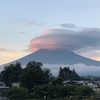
column 34, row 75
column 60, row 91
column 39, row 83
column 16, row 93
column 11, row 74
column 66, row 74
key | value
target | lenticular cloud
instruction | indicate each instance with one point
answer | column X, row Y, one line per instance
column 67, row 39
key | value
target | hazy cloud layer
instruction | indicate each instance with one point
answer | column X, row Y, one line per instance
column 4, row 49
column 80, row 68
column 85, row 39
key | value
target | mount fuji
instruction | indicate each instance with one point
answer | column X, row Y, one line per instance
column 55, row 57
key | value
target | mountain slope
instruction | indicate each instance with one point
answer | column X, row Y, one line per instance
column 56, row 57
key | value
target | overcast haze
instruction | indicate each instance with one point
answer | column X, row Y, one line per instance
column 29, row 25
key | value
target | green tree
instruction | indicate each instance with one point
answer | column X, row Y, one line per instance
column 57, row 81
column 84, row 91
column 74, row 75
column 11, row 73
column 34, row 64
column 16, row 93
column 51, row 91
column 61, row 73
column 67, row 74
column 34, row 75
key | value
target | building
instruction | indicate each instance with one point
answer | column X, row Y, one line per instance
column 16, row 84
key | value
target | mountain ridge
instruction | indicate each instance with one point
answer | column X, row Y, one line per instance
column 55, row 57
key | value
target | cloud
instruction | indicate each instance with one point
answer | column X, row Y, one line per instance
column 67, row 40
column 80, row 68
column 4, row 49
column 85, row 42
column 68, row 25
column 51, row 39
column 29, row 22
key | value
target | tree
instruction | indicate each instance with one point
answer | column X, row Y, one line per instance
column 57, row 81
column 51, row 91
column 74, row 75
column 11, row 73
column 61, row 73
column 16, row 93
column 67, row 74
column 34, row 64
column 84, row 91
column 34, row 75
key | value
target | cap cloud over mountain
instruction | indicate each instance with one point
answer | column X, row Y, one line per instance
column 65, row 39
column 53, row 59
column 85, row 41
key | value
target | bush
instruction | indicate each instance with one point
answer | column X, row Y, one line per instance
column 16, row 93
column 61, row 91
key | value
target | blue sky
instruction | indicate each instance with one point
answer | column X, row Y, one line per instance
column 23, row 20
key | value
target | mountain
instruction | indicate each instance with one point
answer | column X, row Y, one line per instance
column 55, row 57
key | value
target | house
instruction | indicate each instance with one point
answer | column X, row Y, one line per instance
column 69, row 82
column 16, row 84
column 3, row 86
column 95, row 85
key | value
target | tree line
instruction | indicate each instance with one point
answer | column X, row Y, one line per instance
column 38, row 82
column 34, row 74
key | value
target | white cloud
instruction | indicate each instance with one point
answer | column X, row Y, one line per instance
column 67, row 40
column 80, row 68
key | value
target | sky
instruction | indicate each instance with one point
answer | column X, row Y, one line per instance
column 29, row 25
